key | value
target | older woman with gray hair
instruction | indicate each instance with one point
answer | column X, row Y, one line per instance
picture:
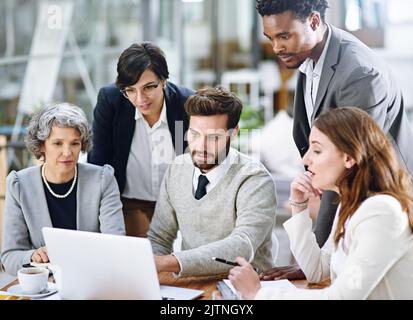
column 60, row 193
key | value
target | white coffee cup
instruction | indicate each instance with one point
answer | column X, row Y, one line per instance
column 33, row 280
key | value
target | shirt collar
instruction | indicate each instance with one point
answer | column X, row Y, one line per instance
column 163, row 116
column 319, row 66
column 307, row 66
column 138, row 114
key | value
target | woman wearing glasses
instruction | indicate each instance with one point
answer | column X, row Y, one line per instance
column 138, row 128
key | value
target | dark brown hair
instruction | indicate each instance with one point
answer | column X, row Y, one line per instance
column 136, row 59
column 212, row 101
column 377, row 169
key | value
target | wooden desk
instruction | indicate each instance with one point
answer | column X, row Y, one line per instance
column 208, row 284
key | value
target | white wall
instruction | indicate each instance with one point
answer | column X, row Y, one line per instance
column 401, row 64
column 398, row 50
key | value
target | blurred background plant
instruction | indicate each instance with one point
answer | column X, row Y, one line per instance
column 251, row 118
column 251, row 121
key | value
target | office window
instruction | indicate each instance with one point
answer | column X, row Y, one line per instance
column 366, row 20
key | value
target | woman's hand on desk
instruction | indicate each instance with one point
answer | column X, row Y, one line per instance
column 40, row 255
column 245, row 279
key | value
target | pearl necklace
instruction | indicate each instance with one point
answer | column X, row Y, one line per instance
column 59, row 196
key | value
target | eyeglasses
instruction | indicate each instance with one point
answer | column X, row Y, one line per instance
column 149, row 91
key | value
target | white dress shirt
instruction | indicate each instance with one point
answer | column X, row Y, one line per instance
column 313, row 76
column 215, row 175
column 151, row 152
column 374, row 260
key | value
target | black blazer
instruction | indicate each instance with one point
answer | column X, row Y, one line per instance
column 114, row 126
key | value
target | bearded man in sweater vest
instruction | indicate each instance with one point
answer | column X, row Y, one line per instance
column 222, row 202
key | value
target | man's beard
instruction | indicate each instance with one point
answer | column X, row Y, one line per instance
column 220, row 157
column 294, row 56
column 296, row 66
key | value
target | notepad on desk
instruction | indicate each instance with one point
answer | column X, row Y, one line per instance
column 175, row 293
column 264, row 284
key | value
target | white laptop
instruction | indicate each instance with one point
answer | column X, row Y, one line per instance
column 101, row 266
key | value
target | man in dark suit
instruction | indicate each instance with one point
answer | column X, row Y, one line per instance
column 138, row 128
column 336, row 70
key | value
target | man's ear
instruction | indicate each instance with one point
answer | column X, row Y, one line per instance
column 234, row 132
column 315, row 20
column 349, row 162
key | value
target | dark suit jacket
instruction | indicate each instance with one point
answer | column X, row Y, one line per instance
column 114, row 125
column 353, row 75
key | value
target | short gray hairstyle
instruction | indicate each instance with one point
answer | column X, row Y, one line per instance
column 63, row 115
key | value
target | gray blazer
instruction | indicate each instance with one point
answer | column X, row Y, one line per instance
column 353, row 75
column 99, row 209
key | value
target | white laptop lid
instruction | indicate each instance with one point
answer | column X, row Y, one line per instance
column 102, row 266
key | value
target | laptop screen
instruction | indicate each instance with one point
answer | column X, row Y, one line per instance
column 100, row 266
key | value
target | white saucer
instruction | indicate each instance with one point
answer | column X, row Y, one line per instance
column 18, row 291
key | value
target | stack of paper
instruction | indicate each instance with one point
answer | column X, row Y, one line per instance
column 264, row 284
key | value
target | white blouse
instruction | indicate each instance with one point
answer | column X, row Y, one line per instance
column 150, row 154
column 373, row 261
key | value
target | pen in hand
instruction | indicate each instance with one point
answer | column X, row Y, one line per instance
column 231, row 263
